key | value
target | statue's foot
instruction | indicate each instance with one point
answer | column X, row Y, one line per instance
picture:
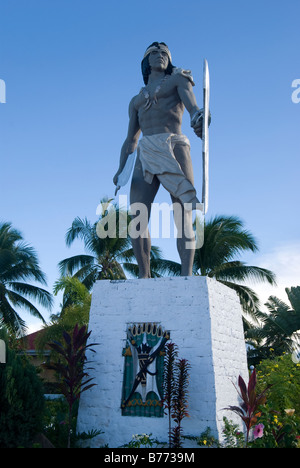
column 144, row 275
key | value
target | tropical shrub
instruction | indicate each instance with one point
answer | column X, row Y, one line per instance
column 142, row 441
column 71, row 368
column 176, row 380
column 278, row 331
column 277, row 430
column 251, row 400
column 281, row 415
column 284, row 376
column 270, row 404
column 56, row 427
column 232, row 437
column 21, row 402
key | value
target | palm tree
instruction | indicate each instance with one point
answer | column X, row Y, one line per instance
column 75, row 309
column 280, row 327
column 224, row 239
column 108, row 257
column 75, row 295
column 18, row 265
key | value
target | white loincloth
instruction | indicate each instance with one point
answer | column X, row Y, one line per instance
column 156, row 153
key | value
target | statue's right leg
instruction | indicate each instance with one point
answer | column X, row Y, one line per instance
column 142, row 196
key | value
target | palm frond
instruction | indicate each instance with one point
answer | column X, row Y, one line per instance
column 87, row 271
column 131, row 268
column 161, row 267
column 35, row 293
column 248, row 298
column 20, row 301
column 223, row 239
column 275, row 305
column 75, row 292
column 72, row 284
column 240, row 271
column 155, row 252
column 293, row 294
column 278, row 330
column 25, row 265
column 10, row 317
column 8, row 236
column 69, row 265
column 19, row 266
column 80, row 229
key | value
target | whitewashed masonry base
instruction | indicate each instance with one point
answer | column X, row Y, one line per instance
column 205, row 321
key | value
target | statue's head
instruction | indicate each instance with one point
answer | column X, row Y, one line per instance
column 146, row 68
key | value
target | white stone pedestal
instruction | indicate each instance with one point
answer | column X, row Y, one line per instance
column 204, row 318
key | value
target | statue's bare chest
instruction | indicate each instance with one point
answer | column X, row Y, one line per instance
column 159, row 93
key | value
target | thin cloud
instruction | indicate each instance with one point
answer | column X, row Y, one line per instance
column 284, row 261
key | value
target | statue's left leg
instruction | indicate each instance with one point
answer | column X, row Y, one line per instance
column 183, row 217
column 142, row 193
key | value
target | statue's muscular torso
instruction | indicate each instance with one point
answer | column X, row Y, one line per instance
column 165, row 115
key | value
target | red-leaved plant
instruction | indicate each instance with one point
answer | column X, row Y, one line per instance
column 73, row 376
column 180, row 400
column 176, row 380
column 249, row 407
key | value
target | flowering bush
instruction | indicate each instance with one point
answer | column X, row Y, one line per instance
column 281, row 413
column 279, row 431
column 284, row 376
column 250, row 402
column 258, row 431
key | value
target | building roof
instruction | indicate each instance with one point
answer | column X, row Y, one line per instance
column 28, row 342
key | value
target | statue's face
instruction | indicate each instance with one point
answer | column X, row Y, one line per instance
column 158, row 60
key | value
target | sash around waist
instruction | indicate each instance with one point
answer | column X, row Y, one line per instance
column 157, row 156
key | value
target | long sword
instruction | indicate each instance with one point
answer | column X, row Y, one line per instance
column 205, row 136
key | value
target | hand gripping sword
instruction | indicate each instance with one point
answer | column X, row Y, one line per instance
column 205, row 136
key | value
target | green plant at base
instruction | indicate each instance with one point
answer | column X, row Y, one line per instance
column 176, row 378
column 21, row 401
column 56, row 424
column 281, row 414
column 233, row 437
column 284, row 376
column 280, row 430
column 142, row 441
column 206, row 439
column 170, row 359
column 250, row 402
column 71, row 370
column 180, row 400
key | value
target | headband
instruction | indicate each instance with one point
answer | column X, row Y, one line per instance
column 161, row 47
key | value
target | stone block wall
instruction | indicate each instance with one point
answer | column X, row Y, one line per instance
column 204, row 319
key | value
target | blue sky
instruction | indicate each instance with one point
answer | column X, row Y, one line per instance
column 71, row 68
